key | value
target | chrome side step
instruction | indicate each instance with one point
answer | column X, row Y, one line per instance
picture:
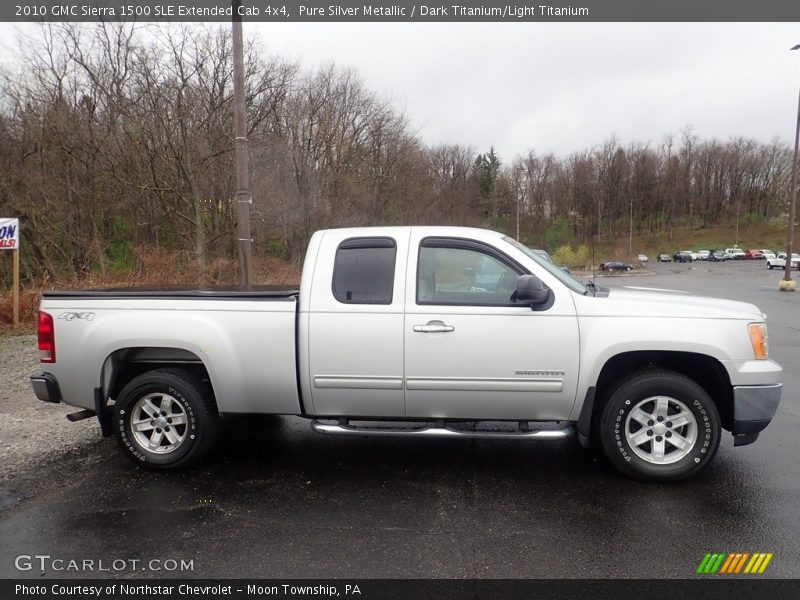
column 440, row 430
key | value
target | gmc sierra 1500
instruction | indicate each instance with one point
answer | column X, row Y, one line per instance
column 413, row 331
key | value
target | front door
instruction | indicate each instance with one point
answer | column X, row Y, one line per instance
column 470, row 352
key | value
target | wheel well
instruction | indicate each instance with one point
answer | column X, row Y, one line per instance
column 121, row 366
column 704, row 370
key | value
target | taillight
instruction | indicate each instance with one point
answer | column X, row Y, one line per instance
column 47, row 338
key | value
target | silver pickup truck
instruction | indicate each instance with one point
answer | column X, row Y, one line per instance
column 420, row 332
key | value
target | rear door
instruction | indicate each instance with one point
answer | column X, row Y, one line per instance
column 470, row 352
column 354, row 324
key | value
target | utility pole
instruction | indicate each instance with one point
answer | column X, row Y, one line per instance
column 242, row 194
column 630, row 234
column 787, row 275
column 518, row 193
column 738, row 199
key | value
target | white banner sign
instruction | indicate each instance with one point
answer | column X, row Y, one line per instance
column 9, row 234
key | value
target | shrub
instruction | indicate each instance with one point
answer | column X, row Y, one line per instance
column 566, row 256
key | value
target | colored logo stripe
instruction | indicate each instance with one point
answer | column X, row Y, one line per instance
column 711, row 562
column 727, row 564
column 734, row 562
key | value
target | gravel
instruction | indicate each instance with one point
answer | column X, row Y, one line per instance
column 33, row 432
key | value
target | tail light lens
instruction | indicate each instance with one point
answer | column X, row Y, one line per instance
column 47, row 338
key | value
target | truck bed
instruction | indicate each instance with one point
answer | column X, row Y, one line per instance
column 245, row 340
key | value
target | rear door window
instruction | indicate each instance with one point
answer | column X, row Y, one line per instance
column 363, row 272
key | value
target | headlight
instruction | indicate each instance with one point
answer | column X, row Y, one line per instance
column 758, row 337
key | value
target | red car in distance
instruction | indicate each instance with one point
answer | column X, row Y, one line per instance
column 753, row 254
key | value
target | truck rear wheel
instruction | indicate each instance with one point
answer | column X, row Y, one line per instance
column 660, row 426
column 166, row 419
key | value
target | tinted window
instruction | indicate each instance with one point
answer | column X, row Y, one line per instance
column 364, row 271
column 463, row 276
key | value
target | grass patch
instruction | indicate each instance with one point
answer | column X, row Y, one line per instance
column 760, row 235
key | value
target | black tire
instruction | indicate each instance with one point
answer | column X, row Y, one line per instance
column 635, row 391
column 192, row 401
column 769, row 266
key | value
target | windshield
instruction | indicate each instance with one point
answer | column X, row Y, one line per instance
column 553, row 269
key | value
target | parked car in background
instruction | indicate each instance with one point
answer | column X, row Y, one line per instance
column 752, row 254
column 642, row 258
column 683, row 256
column 734, row 253
column 695, row 255
column 615, row 266
column 779, row 262
column 768, row 254
column 703, row 254
column 664, row 258
column 717, row 256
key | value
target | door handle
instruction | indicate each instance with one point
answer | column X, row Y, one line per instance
column 434, row 327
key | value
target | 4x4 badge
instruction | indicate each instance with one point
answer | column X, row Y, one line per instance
column 70, row 316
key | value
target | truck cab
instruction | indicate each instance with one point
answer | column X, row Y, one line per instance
column 425, row 310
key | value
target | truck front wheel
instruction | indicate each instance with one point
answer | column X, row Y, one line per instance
column 660, row 426
column 166, row 419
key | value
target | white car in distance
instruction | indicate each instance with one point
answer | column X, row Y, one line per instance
column 779, row 262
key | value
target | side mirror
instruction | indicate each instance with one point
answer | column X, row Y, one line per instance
column 530, row 290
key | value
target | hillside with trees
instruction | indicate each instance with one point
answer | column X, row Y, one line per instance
column 116, row 145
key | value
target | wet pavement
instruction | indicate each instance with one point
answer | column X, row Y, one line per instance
column 277, row 501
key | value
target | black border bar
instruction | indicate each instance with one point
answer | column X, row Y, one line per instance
column 509, row 11
column 729, row 588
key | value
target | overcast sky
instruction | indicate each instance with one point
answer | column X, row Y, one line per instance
column 564, row 87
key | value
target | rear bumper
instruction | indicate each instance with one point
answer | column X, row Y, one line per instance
column 45, row 386
column 753, row 407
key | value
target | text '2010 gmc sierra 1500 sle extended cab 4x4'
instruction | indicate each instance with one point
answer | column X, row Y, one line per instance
column 417, row 331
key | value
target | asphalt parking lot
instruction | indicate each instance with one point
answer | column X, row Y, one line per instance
column 276, row 500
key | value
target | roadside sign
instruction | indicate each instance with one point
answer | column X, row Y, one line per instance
column 9, row 234
column 9, row 240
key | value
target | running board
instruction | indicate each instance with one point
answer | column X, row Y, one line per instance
column 442, row 431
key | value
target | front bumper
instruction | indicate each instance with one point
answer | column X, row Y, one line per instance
column 45, row 386
column 753, row 409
